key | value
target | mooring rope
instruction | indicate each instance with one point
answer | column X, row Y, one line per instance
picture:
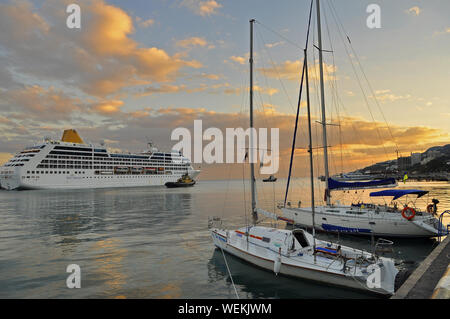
column 229, row 273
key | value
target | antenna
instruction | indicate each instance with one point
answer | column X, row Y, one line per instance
column 149, row 142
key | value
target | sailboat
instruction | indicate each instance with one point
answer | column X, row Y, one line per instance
column 360, row 218
column 296, row 252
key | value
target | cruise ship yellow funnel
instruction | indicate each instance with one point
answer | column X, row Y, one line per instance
column 71, row 136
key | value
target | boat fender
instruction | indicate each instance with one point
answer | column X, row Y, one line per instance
column 410, row 217
column 277, row 265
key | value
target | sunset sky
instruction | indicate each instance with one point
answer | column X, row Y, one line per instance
column 138, row 69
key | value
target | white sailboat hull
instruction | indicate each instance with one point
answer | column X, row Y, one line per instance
column 363, row 222
column 322, row 271
column 293, row 271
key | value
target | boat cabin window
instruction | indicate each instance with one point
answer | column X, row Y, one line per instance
column 300, row 236
column 355, row 212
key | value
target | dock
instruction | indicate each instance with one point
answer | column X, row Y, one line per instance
column 431, row 280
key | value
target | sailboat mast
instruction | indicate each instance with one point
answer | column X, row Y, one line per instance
column 322, row 97
column 252, row 147
column 310, row 150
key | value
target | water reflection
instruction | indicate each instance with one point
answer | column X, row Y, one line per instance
column 150, row 243
column 104, row 231
column 108, row 266
column 71, row 213
column 253, row 282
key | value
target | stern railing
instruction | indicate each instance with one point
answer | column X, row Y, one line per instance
column 441, row 220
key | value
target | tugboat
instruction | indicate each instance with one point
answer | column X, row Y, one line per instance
column 270, row 179
column 184, row 181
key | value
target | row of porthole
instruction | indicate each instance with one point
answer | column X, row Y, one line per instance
column 104, row 176
column 54, row 172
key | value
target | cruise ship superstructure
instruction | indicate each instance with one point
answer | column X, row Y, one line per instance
column 73, row 164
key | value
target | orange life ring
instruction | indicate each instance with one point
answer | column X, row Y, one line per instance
column 413, row 213
column 430, row 208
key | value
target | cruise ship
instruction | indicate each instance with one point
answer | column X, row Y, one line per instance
column 73, row 164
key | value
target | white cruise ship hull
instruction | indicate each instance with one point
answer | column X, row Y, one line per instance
column 336, row 219
column 87, row 180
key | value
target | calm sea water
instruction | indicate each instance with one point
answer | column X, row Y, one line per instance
column 154, row 242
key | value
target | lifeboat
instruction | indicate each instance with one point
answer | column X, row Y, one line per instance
column 121, row 170
column 137, row 170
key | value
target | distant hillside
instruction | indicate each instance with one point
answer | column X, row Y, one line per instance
column 443, row 149
column 440, row 164
column 433, row 160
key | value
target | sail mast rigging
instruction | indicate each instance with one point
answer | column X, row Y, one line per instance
column 252, row 147
column 322, row 100
column 298, row 109
column 310, row 151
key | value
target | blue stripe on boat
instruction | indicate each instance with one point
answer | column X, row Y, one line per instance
column 326, row 250
column 328, row 227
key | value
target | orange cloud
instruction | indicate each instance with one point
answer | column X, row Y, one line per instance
column 4, row 157
column 100, row 59
column 38, row 101
column 238, row 59
column 192, row 42
column 387, row 95
column 202, row 8
column 256, row 88
column 145, row 23
column 28, row 23
column 109, row 36
column 210, row 76
column 164, row 89
column 109, row 30
column 414, row 11
column 291, row 70
column 209, row 7
column 108, row 107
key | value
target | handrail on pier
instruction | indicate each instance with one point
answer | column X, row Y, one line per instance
column 441, row 219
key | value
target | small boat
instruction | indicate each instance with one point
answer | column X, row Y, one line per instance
column 270, row 179
column 184, row 181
